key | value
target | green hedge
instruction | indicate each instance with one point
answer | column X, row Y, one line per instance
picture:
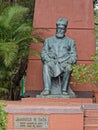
column 3, row 117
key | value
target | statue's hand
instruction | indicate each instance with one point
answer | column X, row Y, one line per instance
column 67, row 65
column 52, row 55
column 55, row 61
column 46, row 60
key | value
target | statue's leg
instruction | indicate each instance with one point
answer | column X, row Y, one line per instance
column 71, row 92
column 46, row 80
column 65, row 81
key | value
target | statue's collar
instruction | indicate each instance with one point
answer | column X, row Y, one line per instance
column 60, row 38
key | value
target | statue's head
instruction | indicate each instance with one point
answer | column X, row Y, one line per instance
column 61, row 26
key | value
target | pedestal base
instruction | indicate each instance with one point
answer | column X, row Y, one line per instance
column 56, row 96
column 38, row 115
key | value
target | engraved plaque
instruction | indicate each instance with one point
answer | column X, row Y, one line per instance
column 29, row 122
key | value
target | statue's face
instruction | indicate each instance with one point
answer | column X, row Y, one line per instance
column 60, row 31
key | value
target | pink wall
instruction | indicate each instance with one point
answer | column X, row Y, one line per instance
column 80, row 28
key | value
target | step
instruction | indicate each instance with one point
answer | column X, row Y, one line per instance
column 66, row 100
column 90, row 128
column 91, row 121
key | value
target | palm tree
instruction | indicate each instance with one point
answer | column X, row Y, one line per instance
column 15, row 39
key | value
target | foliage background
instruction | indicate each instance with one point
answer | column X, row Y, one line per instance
column 3, row 117
column 15, row 38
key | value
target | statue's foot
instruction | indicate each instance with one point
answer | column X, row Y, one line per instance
column 71, row 92
column 45, row 92
column 64, row 93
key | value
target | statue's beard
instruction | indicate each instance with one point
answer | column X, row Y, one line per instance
column 60, row 35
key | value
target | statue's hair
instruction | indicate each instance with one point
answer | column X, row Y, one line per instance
column 62, row 21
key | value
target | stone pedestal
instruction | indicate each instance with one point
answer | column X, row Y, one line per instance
column 42, row 115
column 52, row 114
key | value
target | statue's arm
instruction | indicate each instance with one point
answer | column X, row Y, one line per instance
column 73, row 53
column 44, row 53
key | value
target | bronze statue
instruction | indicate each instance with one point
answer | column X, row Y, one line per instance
column 58, row 55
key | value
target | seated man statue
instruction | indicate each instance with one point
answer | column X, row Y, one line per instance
column 58, row 55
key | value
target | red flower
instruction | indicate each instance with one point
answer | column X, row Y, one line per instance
column 81, row 74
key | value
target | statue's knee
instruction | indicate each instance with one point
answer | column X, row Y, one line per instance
column 69, row 68
column 45, row 68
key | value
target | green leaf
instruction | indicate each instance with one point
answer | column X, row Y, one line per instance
column 8, row 52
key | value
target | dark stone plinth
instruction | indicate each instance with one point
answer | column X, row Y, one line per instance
column 56, row 96
column 79, row 94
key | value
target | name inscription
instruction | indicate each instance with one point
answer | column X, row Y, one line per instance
column 31, row 122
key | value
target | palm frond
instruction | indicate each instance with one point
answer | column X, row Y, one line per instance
column 5, row 90
column 11, row 16
column 8, row 52
column 23, row 28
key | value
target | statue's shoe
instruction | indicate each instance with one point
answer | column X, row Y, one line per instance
column 65, row 93
column 45, row 92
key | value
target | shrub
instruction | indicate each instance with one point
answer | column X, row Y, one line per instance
column 3, row 117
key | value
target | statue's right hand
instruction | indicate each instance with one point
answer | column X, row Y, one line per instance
column 47, row 60
column 51, row 55
column 50, row 62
